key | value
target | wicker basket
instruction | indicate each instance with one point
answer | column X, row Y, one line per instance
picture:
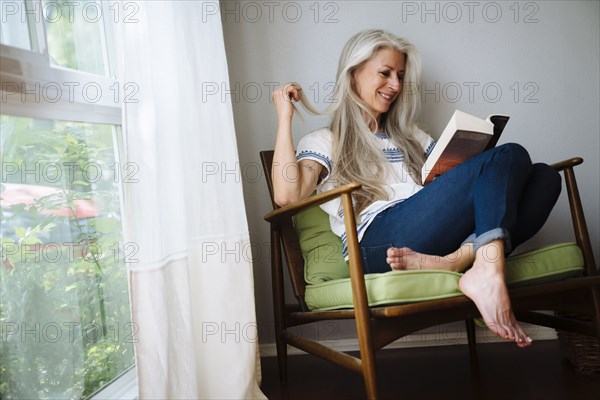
column 581, row 350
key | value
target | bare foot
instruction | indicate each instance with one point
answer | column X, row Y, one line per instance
column 484, row 284
column 408, row 259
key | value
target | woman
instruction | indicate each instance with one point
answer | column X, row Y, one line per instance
column 474, row 214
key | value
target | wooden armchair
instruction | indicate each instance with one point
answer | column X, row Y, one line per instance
column 379, row 326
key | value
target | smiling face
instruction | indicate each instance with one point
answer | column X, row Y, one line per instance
column 378, row 82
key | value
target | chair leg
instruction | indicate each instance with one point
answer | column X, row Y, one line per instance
column 281, row 356
column 476, row 387
column 370, row 378
column 278, row 303
column 583, row 238
column 471, row 338
column 367, row 354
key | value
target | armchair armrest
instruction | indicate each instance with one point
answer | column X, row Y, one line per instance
column 579, row 224
column 283, row 213
column 570, row 163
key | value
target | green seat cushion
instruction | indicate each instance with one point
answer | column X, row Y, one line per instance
column 550, row 263
column 396, row 287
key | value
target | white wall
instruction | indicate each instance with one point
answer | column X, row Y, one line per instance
column 542, row 56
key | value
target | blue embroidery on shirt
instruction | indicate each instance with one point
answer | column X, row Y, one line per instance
column 393, row 155
column 309, row 154
column 430, row 148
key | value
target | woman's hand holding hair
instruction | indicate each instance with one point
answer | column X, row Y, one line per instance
column 283, row 97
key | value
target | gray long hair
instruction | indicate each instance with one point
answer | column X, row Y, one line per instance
column 356, row 157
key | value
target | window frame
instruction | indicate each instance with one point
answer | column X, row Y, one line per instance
column 28, row 70
column 123, row 387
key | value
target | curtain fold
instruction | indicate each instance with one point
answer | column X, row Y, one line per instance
column 191, row 275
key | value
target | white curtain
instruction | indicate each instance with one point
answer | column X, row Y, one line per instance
column 191, row 278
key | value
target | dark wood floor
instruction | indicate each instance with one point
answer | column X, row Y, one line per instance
column 443, row 372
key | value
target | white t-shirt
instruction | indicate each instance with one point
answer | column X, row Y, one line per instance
column 318, row 146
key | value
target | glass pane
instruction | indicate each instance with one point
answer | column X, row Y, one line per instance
column 75, row 35
column 14, row 30
column 64, row 305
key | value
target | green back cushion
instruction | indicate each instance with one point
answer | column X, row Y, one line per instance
column 321, row 248
column 328, row 287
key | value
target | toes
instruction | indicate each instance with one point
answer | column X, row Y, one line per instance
column 521, row 335
column 499, row 330
column 518, row 335
column 529, row 341
column 398, row 251
column 394, row 266
column 513, row 334
column 522, row 343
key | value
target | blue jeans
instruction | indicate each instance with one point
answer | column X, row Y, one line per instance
column 498, row 194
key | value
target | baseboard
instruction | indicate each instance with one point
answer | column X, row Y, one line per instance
column 420, row 339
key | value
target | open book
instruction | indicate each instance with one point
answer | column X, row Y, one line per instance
column 464, row 136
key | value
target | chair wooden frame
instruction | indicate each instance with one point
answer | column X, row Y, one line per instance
column 380, row 326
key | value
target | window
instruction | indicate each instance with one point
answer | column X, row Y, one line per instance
column 65, row 324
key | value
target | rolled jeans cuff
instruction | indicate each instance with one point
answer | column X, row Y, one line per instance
column 491, row 235
column 470, row 239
